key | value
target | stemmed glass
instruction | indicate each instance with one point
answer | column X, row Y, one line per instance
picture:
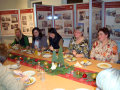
column 38, row 69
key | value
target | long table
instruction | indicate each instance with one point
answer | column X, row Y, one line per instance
column 51, row 82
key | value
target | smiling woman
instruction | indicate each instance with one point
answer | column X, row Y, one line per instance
column 104, row 49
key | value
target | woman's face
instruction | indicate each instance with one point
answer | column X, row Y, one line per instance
column 17, row 33
column 36, row 33
column 52, row 35
column 102, row 36
column 77, row 33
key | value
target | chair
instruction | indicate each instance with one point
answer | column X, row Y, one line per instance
column 118, row 58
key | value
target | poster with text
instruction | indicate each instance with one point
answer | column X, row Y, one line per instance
column 64, row 21
column 82, row 18
column 112, row 19
column 44, row 18
column 9, row 22
column 27, row 21
column 96, row 19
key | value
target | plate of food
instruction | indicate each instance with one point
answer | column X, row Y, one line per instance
column 29, row 52
column 85, row 62
column 68, row 56
column 46, row 54
column 71, row 59
column 29, row 73
column 15, row 47
column 104, row 65
column 30, row 81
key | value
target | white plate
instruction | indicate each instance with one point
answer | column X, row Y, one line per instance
column 0, row 64
column 58, row 89
column 104, row 65
column 15, row 66
column 29, row 73
column 67, row 56
column 71, row 60
column 28, row 52
column 81, row 89
column 33, row 81
column 87, row 63
column 47, row 55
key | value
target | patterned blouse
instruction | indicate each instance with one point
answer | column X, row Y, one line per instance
column 106, row 53
column 81, row 48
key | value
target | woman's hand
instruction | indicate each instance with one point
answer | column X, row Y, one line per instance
column 74, row 52
column 25, row 78
column 51, row 48
column 17, row 72
column 35, row 47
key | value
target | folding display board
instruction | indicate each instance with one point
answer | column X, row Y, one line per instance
column 64, row 21
column 27, row 21
column 9, row 21
column 96, row 19
column 44, row 18
column 82, row 18
column 112, row 19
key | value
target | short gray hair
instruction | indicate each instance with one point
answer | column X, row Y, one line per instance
column 108, row 79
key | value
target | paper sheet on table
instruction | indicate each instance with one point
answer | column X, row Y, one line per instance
column 77, row 64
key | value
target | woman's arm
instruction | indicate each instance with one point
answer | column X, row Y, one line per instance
column 114, row 54
column 26, row 41
column 92, row 52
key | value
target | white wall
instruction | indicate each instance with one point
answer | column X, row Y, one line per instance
column 13, row 4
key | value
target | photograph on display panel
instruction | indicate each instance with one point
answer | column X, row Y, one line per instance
column 113, row 22
column 9, row 22
column 64, row 22
column 27, row 21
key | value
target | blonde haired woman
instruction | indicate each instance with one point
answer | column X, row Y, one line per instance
column 108, row 79
column 20, row 39
column 78, row 44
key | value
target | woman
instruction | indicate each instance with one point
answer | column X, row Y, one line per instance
column 20, row 40
column 39, row 41
column 108, row 79
column 55, row 40
column 7, row 79
column 104, row 49
column 78, row 44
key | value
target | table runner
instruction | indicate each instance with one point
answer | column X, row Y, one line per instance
column 67, row 75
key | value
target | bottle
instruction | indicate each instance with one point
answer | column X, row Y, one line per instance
column 38, row 67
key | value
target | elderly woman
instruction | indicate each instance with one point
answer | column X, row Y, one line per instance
column 7, row 79
column 108, row 79
column 39, row 41
column 20, row 39
column 104, row 49
column 78, row 44
column 55, row 40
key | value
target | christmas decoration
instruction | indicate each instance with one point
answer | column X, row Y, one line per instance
column 78, row 72
column 36, row 52
column 84, row 75
column 36, row 60
column 94, row 75
column 10, row 55
column 60, row 56
column 21, row 58
column 45, row 63
column 28, row 58
column 53, row 67
column 54, row 58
